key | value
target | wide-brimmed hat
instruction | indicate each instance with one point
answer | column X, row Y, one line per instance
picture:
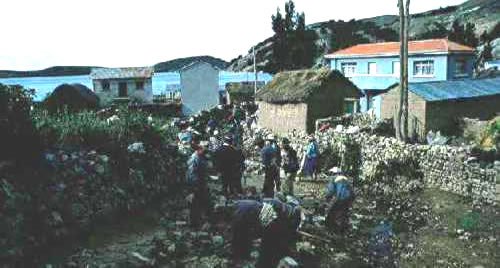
column 270, row 137
column 341, row 178
column 335, row 170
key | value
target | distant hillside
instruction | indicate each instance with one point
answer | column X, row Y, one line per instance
column 52, row 71
column 485, row 14
column 174, row 65
column 167, row 66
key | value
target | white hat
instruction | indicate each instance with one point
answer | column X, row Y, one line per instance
column 341, row 178
column 335, row 170
column 270, row 137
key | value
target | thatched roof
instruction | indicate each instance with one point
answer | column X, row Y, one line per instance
column 298, row 86
column 75, row 96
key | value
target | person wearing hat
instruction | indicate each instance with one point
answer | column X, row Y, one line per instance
column 197, row 176
column 340, row 195
column 310, row 158
column 276, row 222
column 230, row 163
column 271, row 159
column 290, row 165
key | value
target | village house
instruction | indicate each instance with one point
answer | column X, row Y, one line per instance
column 123, row 84
column 238, row 92
column 294, row 100
column 437, row 105
column 373, row 68
column 199, row 87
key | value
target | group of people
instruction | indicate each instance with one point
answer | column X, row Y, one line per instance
column 275, row 220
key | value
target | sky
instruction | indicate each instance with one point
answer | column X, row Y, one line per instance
column 37, row 34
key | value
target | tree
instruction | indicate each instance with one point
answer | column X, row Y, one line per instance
column 294, row 46
column 463, row 34
column 457, row 32
column 470, row 38
column 401, row 121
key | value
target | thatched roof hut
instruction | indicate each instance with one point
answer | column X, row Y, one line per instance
column 75, row 97
column 295, row 99
column 299, row 86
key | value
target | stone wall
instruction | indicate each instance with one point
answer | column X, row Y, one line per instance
column 444, row 167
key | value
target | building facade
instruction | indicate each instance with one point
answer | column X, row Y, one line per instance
column 295, row 100
column 373, row 68
column 437, row 105
column 199, row 87
column 123, row 84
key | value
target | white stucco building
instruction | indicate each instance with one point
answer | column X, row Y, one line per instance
column 132, row 83
column 199, row 87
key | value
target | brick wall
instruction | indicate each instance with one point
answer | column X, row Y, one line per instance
column 282, row 118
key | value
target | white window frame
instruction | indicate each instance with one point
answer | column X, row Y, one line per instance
column 348, row 68
column 423, row 68
column 394, row 71
column 370, row 69
column 460, row 72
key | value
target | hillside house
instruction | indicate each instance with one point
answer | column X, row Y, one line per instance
column 296, row 99
column 199, row 87
column 123, row 84
column 373, row 68
column 437, row 105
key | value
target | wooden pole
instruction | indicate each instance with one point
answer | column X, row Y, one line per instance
column 405, row 78
column 397, row 120
column 255, row 72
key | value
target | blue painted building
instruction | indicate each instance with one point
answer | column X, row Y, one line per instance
column 373, row 68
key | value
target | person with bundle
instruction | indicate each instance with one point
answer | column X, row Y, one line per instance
column 339, row 195
column 274, row 221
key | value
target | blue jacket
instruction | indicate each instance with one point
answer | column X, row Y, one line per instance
column 312, row 150
column 342, row 190
column 267, row 154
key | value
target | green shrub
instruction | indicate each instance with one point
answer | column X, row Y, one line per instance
column 19, row 140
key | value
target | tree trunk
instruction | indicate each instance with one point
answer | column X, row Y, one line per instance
column 405, row 78
column 397, row 121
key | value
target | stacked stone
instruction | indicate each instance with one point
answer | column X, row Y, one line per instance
column 444, row 167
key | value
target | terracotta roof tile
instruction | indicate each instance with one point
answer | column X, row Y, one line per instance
column 432, row 45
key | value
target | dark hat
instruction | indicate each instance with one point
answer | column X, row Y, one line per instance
column 285, row 141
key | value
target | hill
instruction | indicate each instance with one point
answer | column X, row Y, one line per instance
column 485, row 14
column 167, row 66
column 174, row 65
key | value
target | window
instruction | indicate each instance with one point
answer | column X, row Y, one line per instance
column 122, row 90
column 139, row 85
column 372, row 68
column 423, row 68
column 105, row 85
column 460, row 67
column 396, row 67
column 348, row 68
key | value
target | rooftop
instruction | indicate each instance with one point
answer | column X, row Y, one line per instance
column 456, row 89
column 298, row 86
column 393, row 48
column 121, row 73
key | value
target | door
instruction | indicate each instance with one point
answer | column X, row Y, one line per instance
column 122, row 90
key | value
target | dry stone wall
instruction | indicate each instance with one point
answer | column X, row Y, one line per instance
column 369, row 156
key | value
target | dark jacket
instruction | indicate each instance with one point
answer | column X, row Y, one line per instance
column 229, row 160
column 290, row 161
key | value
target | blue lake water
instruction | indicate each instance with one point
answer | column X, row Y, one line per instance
column 162, row 82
